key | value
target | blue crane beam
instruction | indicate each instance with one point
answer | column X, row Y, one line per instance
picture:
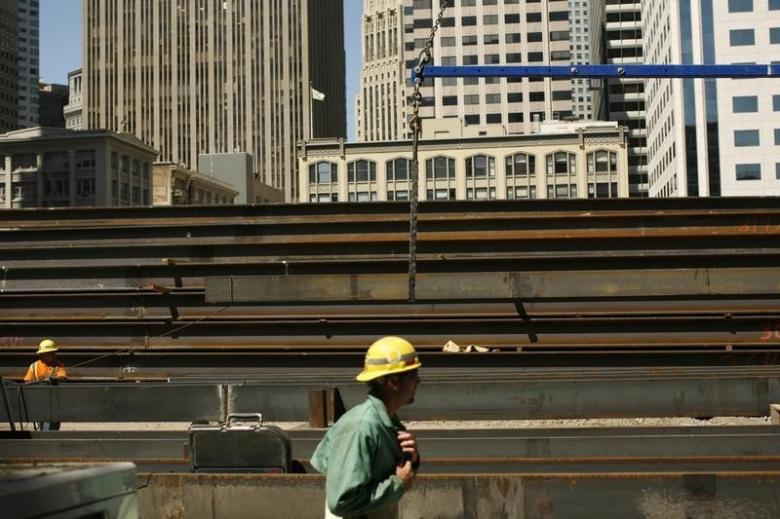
column 602, row 71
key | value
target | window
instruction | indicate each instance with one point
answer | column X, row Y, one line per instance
column 777, row 137
column 440, row 168
column 493, row 118
column 740, row 6
column 746, row 138
column 774, row 5
column 440, row 194
column 776, row 103
column 774, row 35
column 531, row 17
column 748, row 171
column 520, row 165
column 559, row 16
column 744, row 104
column 468, row 21
column 741, row 37
column 85, row 187
column 777, row 170
column 361, row 171
column 398, row 170
column 561, row 163
column 515, row 37
column 323, row 173
column 480, row 166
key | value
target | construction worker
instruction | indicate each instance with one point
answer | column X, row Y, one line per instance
column 368, row 458
column 46, row 370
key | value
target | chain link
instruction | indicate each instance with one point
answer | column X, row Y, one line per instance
column 425, row 57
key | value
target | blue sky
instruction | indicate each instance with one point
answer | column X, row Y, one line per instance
column 61, row 45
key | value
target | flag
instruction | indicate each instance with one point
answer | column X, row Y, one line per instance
column 317, row 95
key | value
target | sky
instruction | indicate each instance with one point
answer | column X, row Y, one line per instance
column 60, row 46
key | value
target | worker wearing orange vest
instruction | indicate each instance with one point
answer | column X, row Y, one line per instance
column 46, row 369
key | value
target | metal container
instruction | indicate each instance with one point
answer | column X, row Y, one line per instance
column 242, row 444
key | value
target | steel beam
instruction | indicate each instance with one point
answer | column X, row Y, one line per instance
column 602, row 71
column 495, row 286
column 735, row 392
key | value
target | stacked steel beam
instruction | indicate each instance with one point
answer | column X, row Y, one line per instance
column 198, row 284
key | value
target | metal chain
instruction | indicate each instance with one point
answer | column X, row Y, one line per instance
column 416, row 126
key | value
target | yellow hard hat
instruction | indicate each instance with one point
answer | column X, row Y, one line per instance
column 46, row 346
column 389, row 355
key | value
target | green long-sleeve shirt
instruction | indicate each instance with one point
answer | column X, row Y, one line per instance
column 358, row 456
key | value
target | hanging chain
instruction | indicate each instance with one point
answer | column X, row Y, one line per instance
column 425, row 57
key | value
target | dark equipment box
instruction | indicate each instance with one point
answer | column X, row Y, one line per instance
column 242, row 444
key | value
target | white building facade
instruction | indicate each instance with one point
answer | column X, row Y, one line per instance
column 73, row 110
column 713, row 137
column 473, row 32
column 565, row 160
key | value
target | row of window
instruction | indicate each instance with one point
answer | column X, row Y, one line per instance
column 487, row 19
column 749, row 104
column 753, row 171
column 743, row 37
column 746, row 6
column 477, row 166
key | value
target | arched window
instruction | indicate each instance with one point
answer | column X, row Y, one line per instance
column 361, row 179
column 480, row 177
column 602, row 174
column 440, row 178
column 520, row 176
column 323, row 182
column 397, row 174
column 561, row 169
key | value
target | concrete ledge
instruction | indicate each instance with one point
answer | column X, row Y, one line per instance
column 474, row 497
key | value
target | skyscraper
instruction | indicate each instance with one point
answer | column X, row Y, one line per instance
column 29, row 24
column 712, row 137
column 579, row 43
column 214, row 76
column 9, row 65
column 486, row 32
column 616, row 32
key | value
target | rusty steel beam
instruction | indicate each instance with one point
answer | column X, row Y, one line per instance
column 579, row 393
column 496, row 286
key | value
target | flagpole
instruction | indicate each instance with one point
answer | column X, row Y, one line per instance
column 311, row 111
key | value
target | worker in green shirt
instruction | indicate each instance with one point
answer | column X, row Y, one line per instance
column 368, row 458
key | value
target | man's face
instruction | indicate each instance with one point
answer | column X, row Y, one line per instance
column 48, row 358
column 407, row 385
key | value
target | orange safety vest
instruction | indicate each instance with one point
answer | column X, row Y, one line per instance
column 38, row 371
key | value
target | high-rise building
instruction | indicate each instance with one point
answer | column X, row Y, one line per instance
column 579, row 44
column 9, row 65
column 616, row 30
column 29, row 24
column 213, row 76
column 715, row 137
column 73, row 110
column 52, row 99
column 472, row 33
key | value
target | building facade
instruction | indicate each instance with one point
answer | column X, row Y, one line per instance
column 211, row 76
column 29, row 56
column 565, row 160
column 579, row 45
column 472, row 33
column 52, row 99
column 73, row 111
column 713, row 137
column 173, row 184
column 53, row 167
column 9, row 65
column 616, row 30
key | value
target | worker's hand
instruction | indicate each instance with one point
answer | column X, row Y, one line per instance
column 408, row 444
column 406, row 474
